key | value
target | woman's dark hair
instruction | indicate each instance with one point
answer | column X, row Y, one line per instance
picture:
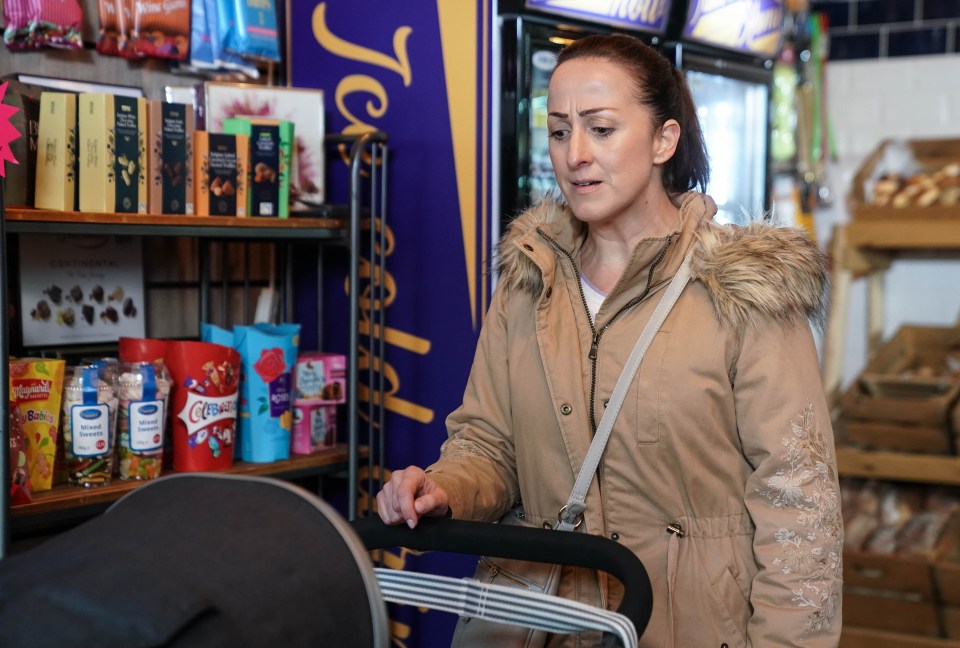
column 663, row 89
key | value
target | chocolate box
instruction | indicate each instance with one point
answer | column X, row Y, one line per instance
column 113, row 153
column 321, row 379
column 56, row 152
column 21, row 177
column 271, row 144
column 220, row 173
column 170, row 162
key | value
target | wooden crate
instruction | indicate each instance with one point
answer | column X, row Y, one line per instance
column 891, row 614
column 930, row 154
column 901, row 576
column 885, row 395
column 898, row 437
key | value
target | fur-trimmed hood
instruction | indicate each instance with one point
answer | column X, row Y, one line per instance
column 759, row 270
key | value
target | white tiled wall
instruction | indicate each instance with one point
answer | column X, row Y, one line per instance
column 872, row 100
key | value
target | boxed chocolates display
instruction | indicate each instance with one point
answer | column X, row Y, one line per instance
column 56, row 152
column 113, row 153
column 220, row 173
column 171, row 158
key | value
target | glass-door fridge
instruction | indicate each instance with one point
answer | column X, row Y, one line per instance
column 726, row 51
column 531, row 34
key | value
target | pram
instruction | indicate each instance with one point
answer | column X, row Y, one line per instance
column 221, row 560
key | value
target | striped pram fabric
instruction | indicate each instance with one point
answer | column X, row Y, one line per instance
column 471, row 598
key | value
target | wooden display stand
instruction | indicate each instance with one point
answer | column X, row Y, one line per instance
column 866, row 248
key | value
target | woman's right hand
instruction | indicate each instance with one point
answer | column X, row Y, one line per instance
column 409, row 495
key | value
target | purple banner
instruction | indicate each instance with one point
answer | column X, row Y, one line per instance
column 420, row 73
column 643, row 15
column 748, row 26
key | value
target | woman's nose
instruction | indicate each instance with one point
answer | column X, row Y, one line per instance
column 578, row 152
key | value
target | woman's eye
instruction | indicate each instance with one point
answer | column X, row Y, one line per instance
column 558, row 133
column 603, row 131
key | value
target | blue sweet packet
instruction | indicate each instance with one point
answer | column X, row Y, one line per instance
column 269, row 355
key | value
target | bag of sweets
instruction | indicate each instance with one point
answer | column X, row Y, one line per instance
column 206, row 381
column 37, row 387
column 90, row 425
column 269, row 353
column 144, row 394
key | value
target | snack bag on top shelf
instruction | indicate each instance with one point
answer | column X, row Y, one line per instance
column 108, row 38
column 37, row 387
column 161, row 30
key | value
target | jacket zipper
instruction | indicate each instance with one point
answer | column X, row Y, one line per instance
column 595, row 342
column 595, row 346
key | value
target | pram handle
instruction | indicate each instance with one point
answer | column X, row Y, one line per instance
column 523, row 543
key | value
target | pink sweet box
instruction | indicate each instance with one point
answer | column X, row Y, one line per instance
column 321, row 378
column 314, row 428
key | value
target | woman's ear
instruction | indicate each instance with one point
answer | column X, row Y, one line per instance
column 666, row 141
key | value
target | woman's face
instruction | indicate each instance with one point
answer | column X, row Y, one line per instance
column 603, row 144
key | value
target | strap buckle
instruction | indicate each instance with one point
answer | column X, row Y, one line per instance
column 564, row 510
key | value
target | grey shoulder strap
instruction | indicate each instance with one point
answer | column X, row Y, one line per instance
column 571, row 515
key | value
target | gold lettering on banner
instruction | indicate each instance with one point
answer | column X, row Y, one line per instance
column 360, row 83
column 376, row 107
column 399, row 63
column 406, row 341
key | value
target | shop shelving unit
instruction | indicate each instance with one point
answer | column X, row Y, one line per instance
column 342, row 225
column 866, row 248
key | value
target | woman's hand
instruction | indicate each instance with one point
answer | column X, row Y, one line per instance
column 409, row 495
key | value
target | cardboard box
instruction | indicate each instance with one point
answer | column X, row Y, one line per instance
column 113, row 154
column 320, row 379
column 932, row 156
column 220, row 173
column 56, row 152
column 314, row 428
column 170, row 161
column 271, row 146
column 21, row 178
column 896, row 389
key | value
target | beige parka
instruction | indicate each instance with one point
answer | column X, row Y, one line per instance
column 725, row 430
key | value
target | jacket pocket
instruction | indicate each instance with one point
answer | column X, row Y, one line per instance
column 733, row 605
column 649, row 392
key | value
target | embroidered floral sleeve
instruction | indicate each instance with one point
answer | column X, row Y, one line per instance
column 810, row 550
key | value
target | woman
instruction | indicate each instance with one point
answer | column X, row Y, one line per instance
column 720, row 473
